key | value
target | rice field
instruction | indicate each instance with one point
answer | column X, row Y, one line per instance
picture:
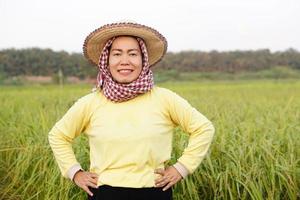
column 254, row 155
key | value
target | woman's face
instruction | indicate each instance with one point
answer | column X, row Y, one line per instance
column 125, row 59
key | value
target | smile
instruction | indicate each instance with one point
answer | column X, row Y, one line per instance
column 125, row 71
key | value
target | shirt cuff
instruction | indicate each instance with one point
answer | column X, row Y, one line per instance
column 72, row 171
column 181, row 169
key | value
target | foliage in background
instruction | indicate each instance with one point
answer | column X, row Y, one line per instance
column 275, row 73
column 45, row 62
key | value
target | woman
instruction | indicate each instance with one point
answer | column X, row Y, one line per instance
column 129, row 121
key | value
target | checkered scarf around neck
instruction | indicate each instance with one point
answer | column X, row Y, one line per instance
column 120, row 92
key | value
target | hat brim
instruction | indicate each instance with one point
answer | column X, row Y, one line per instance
column 155, row 42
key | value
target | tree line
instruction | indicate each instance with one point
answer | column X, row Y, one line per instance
column 46, row 62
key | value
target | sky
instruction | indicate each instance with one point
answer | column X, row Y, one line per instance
column 204, row 25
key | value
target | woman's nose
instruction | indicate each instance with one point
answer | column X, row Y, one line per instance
column 124, row 60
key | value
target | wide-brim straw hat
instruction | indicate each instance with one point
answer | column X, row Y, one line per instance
column 155, row 42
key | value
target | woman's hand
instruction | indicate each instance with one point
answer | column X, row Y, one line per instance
column 85, row 180
column 170, row 176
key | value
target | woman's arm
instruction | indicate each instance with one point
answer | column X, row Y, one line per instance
column 199, row 128
column 62, row 135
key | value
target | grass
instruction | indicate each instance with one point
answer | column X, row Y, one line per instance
column 254, row 155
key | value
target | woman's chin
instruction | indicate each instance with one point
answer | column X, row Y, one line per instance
column 125, row 80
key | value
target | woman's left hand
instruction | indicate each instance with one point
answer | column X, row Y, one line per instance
column 169, row 177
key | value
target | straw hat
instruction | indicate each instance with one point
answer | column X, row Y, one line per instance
column 156, row 43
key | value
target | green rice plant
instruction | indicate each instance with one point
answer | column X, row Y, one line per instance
column 254, row 154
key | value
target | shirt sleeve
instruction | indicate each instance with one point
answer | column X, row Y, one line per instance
column 181, row 169
column 199, row 128
column 61, row 136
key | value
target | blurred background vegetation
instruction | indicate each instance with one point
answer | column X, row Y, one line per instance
column 35, row 65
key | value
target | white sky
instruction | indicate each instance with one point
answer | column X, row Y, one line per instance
column 187, row 24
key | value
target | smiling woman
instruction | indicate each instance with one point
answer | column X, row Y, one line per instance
column 125, row 59
column 129, row 121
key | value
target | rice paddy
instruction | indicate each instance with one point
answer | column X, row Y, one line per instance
column 255, row 153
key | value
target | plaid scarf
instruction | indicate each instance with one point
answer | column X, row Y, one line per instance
column 119, row 92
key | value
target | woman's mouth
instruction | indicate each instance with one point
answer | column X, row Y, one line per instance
column 125, row 72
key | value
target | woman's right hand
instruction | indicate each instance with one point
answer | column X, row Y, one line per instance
column 85, row 180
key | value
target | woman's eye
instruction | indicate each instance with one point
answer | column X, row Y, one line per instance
column 133, row 54
column 116, row 54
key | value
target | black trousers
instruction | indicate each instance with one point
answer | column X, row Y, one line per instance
column 106, row 192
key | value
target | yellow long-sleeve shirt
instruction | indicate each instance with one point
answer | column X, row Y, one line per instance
column 129, row 140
